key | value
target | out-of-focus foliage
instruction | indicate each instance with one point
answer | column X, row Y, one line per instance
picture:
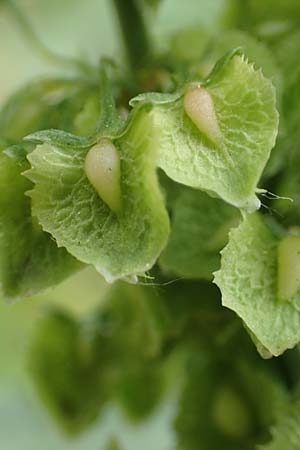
column 199, row 230
column 66, row 372
column 53, row 103
column 113, row 445
column 165, row 337
column 285, row 434
column 123, row 353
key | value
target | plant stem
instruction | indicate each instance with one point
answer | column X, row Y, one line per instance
column 135, row 35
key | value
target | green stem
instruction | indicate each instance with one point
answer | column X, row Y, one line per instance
column 135, row 35
column 40, row 48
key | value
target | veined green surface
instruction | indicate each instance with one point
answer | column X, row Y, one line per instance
column 244, row 103
column 248, row 282
column 34, row 430
column 119, row 246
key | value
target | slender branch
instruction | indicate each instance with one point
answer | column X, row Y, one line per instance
column 134, row 31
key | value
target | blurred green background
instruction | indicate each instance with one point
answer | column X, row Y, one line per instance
column 83, row 29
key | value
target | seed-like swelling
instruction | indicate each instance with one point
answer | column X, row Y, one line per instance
column 199, row 106
column 217, row 137
column 102, row 167
column 74, row 191
column 288, row 267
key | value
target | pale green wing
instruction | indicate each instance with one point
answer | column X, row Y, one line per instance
column 246, row 121
column 248, row 280
column 67, row 205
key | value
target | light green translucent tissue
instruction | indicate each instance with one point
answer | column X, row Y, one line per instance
column 118, row 245
column 227, row 159
column 248, row 280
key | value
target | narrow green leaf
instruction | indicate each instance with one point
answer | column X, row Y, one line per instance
column 221, row 63
column 155, row 98
column 60, row 138
column 110, row 120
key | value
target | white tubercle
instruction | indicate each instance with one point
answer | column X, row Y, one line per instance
column 288, row 267
column 200, row 108
column 102, row 167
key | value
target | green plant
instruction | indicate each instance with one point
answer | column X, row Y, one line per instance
column 149, row 173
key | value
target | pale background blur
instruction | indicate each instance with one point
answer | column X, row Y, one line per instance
column 82, row 29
